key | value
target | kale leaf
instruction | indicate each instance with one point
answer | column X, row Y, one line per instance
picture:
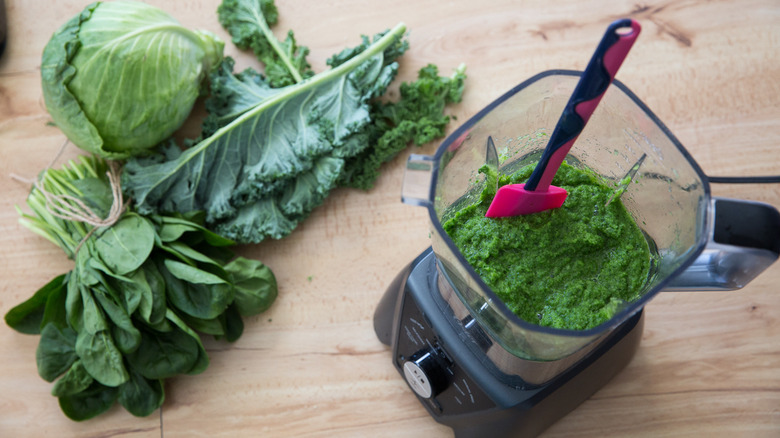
column 249, row 23
column 417, row 117
column 274, row 144
column 271, row 161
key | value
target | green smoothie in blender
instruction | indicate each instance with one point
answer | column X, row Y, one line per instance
column 570, row 267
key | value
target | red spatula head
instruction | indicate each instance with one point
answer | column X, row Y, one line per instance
column 520, row 201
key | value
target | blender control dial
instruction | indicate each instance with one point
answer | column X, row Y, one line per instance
column 425, row 374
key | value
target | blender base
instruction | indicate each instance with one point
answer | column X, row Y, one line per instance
column 460, row 389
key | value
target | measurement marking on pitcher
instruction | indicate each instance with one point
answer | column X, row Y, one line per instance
column 414, row 329
column 471, row 395
column 417, row 323
column 410, row 336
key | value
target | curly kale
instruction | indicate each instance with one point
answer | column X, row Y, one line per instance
column 417, row 117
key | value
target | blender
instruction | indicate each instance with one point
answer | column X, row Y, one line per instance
column 477, row 367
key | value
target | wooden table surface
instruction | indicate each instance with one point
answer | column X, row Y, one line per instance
column 708, row 364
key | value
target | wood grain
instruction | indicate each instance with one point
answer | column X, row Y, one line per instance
column 708, row 365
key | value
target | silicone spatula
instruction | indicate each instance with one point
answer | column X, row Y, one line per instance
column 537, row 194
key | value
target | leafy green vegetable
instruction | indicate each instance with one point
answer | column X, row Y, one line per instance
column 255, row 285
column 122, row 76
column 118, row 79
column 124, row 318
column 164, row 354
column 101, row 358
column 196, row 292
column 273, row 147
column 126, row 245
column 27, row 316
column 56, row 352
column 76, row 380
column 249, row 23
column 417, row 117
column 89, row 403
column 265, row 169
column 141, row 396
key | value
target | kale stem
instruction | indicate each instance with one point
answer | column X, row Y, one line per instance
column 260, row 19
column 377, row 47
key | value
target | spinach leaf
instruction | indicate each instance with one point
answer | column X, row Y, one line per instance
column 28, row 316
column 74, row 307
column 255, row 285
column 97, row 271
column 202, row 361
column 101, row 358
column 194, row 291
column 55, row 312
column 56, row 351
column 194, row 219
column 87, row 267
column 171, row 232
column 191, row 274
column 214, row 327
column 126, row 337
column 152, row 306
column 77, row 379
column 133, row 292
column 234, row 325
column 124, row 246
column 141, row 396
column 93, row 319
column 95, row 193
column 187, row 254
column 164, row 354
column 89, row 403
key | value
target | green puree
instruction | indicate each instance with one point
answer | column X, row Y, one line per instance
column 570, row 267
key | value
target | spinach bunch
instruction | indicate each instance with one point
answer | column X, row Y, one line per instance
column 127, row 316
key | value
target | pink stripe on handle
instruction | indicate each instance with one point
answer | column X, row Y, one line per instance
column 552, row 166
column 613, row 59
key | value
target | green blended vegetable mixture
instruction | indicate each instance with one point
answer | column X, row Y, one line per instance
column 570, row 267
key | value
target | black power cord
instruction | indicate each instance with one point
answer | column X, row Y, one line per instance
column 744, row 179
column 3, row 27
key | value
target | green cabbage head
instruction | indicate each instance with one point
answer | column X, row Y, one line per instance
column 122, row 76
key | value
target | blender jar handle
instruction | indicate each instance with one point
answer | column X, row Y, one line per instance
column 743, row 242
column 418, row 176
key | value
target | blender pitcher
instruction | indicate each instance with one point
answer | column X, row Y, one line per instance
column 669, row 199
column 697, row 242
